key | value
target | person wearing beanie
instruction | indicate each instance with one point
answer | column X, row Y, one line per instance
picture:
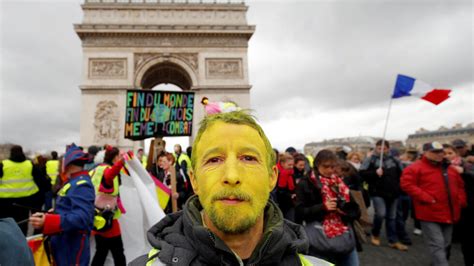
column 70, row 223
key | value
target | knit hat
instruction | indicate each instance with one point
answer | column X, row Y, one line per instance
column 290, row 150
column 459, row 143
column 75, row 156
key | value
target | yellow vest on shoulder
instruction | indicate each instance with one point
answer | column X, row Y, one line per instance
column 17, row 180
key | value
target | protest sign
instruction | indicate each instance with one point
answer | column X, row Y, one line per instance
column 151, row 113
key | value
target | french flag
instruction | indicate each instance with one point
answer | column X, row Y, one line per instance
column 408, row 86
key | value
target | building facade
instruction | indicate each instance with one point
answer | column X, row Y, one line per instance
column 443, row 135
column 360, row 144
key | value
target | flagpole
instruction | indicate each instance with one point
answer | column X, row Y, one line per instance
column 385, row 132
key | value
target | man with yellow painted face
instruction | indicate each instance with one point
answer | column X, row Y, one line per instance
column 230, row 219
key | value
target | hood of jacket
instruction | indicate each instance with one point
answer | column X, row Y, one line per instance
column 181, row 237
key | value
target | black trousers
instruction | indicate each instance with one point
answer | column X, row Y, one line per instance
column 18, row 214
column 103, row 245
column 467, row 229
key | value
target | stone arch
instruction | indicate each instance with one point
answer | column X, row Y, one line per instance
column 174, row 70
column 200, row 47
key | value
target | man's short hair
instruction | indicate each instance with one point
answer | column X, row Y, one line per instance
column 241, row 117
column 168, row 156
column 93, row 150
column 379, row 143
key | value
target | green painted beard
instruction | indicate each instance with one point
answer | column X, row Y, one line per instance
column 235, row 219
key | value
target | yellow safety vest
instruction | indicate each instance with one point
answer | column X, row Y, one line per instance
column 184, row 157
column 52, row 169
column 310, row 160
column 17, row 180
column 96, row 177
column 304, row 259
column 144, row 161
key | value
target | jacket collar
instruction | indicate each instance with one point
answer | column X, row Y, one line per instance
column 183, row 234
column 76, row 174
column 431, row 162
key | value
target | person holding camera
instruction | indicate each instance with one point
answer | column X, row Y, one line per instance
column 324, row 203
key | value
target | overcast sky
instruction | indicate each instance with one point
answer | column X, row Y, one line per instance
column 319, row 69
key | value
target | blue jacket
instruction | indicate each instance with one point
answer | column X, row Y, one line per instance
column 72, row 221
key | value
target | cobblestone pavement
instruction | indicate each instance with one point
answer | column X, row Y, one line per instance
column 417, row 254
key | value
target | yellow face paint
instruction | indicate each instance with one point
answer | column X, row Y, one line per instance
column 231, row 177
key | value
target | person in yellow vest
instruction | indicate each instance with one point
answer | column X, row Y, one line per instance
column 183, row 166
column 52, row 167
column 17, row 186
column 106, row 180
column 142, row 157
column 52, row 170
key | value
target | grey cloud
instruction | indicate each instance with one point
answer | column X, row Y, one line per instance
column 328, row 55
column 41, row 72
column 346, row 55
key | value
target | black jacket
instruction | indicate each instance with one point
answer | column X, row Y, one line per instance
column 309, row 203
column 468, row 178
column 182, row 238
column 386, row 186
column 309, row 206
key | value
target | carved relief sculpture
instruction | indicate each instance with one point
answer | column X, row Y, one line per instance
column 106, row 123
column 190, row 58
column 100, row 68
column 224, row 68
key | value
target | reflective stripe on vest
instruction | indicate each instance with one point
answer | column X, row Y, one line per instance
column 152, row 253
column 17, row 180
column 52, row 169
column 305, row 260
column 313, row 261
column 96, row 176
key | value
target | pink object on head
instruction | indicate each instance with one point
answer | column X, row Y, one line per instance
column 212, row 108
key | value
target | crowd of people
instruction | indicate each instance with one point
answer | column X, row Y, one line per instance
column 434, row 186
column 324, row 200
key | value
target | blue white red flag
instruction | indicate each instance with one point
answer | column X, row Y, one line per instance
column 408, row 86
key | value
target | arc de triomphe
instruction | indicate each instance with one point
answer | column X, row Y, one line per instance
column 130, row 44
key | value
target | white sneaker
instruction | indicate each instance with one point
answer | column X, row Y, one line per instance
column 417, row 232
